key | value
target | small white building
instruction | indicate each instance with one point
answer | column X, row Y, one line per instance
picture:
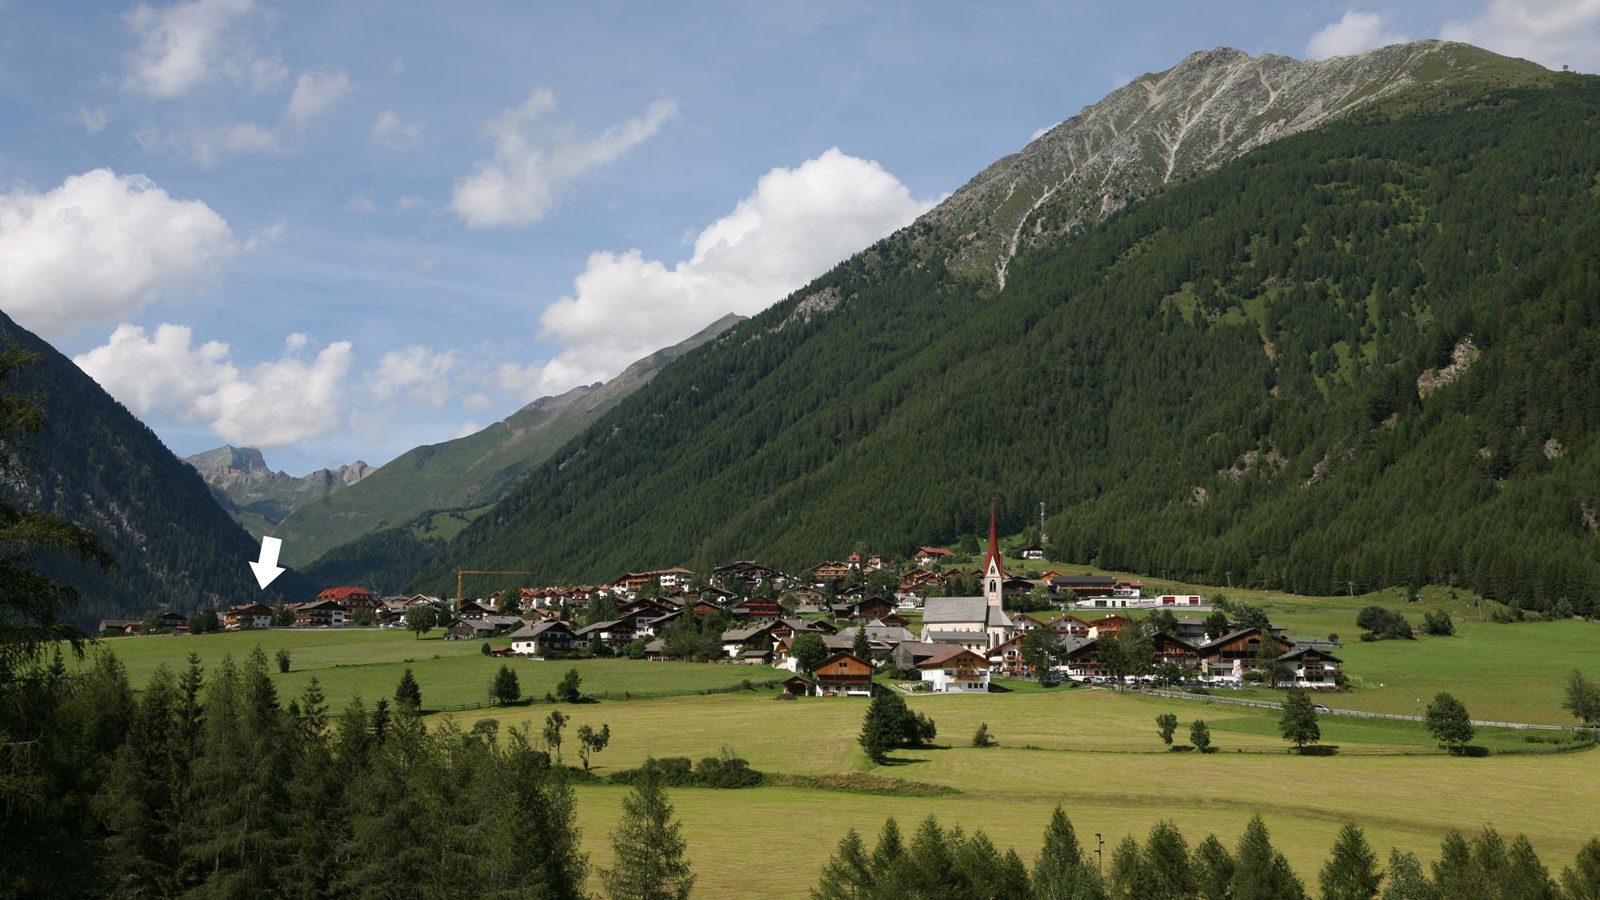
column 959, row 671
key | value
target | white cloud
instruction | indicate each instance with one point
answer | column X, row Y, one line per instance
column 1041, row 132
column 273, row 404
column 389, row 130
column 1551, row 32
column 185, row 44
column 265, row 237
column 416, row 372
column 531, row 166
column 407, row 202
column 1355, row 32
column 467, row 428
column 796, row 224
column 94, row 120
column 361, row 202
column 100, row 247
column 315, row 93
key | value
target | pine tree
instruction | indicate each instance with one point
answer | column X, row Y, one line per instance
column 1061, row 872
column 1213, row 870
column 570, row 690
column 860, row 645
column 982, row 738
column 888, row 855
column 1165, row 871
column 1260, row 872
column 848, row 874
column 1524, row 876
column 1454, row 873
column 1127, row 877
column 648, row 849
column 1406, row 879
column 505, row 687
column 1351, row 873
column 1582, row 881
column 408, row 696
column 1200, row 735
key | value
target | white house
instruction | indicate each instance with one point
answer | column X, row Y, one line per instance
column 1312, row 668
column 958, row 671
column 539, row 638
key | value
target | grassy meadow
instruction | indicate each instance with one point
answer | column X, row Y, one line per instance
column 1096, row 752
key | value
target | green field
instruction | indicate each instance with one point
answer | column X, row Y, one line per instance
column 369, row 663
column 1094, row 751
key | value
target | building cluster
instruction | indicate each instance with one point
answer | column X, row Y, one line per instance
column 902, row 619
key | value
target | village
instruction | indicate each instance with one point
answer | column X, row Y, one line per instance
column 843, row 628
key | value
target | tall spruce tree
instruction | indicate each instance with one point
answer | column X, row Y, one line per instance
column 1061, row 871
column 1260, row 872
column 848, row 874
column 1351, row 872
column 1406, row 880
column 1582, row 880
column 648, row 849
column 1213, row 870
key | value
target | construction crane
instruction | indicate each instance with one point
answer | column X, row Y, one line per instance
column 461, row 572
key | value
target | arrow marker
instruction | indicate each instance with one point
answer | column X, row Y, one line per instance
column 268, row 569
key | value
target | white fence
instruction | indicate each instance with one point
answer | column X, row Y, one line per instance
column 1240, row 701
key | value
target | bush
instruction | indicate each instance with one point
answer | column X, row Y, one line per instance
column 1438, row 624
column 725, row 771
column 568, row 690
column 982, row 738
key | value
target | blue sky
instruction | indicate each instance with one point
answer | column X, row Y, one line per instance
column 340, row 230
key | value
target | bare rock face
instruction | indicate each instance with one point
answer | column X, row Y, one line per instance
column 1162, row 128
column 1462, row 357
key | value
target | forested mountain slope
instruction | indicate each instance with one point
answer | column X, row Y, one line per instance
column 1221, row 381
column 98, row 466
column 456, row 476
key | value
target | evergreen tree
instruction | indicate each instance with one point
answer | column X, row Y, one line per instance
column 848, row 874
column 1213, row 870
column 408, row 696
column 1582, row 881
column 982, row 738
column 1126, row 878
column 283, row 660
column 1448, row 722
column 860, row 645
column 1298, row 723
column 888, row 854
column 1454, row 873
column 648, row 849
column 1061, row 871
column 1352, row 872
column 505, row 687
column 1406, row 879
column 1165, row 872
column 1260, row 872
column 570, row 690
column 1524, row 876
column 1200, row 735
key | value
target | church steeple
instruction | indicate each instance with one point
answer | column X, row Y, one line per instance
column 994, row 572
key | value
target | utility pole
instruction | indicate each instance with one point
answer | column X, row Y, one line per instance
column 1352, row 586
column 1099, row 853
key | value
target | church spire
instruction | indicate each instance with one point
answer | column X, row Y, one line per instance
column 994, row 571
column 994, row 545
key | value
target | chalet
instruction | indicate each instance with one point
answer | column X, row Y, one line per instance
column 474, row 609
column 893, row 618
column 667, row 579
column 351, row 598
column 754, row 637
column 1191, row 629
column 613, row 632
column 247, row 616
column 1230, row 657
column 467, row 629
column 798, row 686
column 879, row 562
column 976, row 623
column 830, row 571
column 1085, row 586
column 871, row 608
column 881, row 639
column 757, row 656
column 932, row 556
column 788, row 628
column 1026, row 622
column 956, row 671
column 751, row 573
column 1108, row 626
column 171, row 621
column 551, row 636
column 319, row 614
column 757, row 608
column 843, row 674
column 1081, row 656
column 110, row 627
column 656, row 626
column 1312, row 668
column 1006, row 659
column 1175, row 650
column 1070, row 626
column 910, row 654
column 1029, row 551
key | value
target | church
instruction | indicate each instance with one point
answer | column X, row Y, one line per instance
column 976, row 623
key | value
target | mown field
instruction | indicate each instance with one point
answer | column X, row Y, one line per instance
column 1094, row 751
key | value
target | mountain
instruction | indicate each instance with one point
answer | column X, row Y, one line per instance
column 259, row 498
column 435, row 489
column 98, row 466
column 1236, row 378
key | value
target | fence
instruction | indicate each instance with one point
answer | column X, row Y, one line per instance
column 1358, row 714
column 616, row 695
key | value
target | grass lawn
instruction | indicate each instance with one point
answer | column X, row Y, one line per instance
column 369, row 663
column 1098, row 755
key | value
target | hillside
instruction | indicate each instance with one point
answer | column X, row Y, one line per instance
column 1219, row 382
column 100, row 467
column 431, row 490
column 259, row 498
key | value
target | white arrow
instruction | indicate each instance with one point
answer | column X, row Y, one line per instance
column 268, row 569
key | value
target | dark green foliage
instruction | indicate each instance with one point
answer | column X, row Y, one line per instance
column 1041, row 649
column 1216, row 623
column 408, row 696
column 1486, row 867
column 982, row 737
column 1260, row 872
column 283, row 660
column 570, row 690
column 421, row 619
column 1382, row 622
column 381, row 560
column 860, row 645
column 808, row 650
column 1352, row 872
column 1448, row 721
column 1438, row 624
column 1582, row 881
column 890, row 724
column 1298, row 723
column 1213, row 870
column 484, row 650
column 592, row 741
column 505, row 687
column 848, row 874
column 1167, row 724
column 553, row 726
column 1200, row 735
column 648, row 848
column 1405, row 879
column 1062, row 871
column 205, row 621
column 1583, row 698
